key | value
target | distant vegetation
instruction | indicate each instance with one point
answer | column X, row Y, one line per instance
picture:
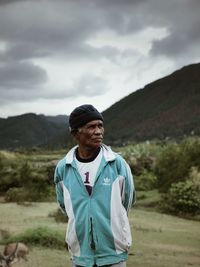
column 169, row 169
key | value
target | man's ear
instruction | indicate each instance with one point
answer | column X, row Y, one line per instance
column 74, row 132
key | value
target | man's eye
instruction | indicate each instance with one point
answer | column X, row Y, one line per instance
column 90, row 127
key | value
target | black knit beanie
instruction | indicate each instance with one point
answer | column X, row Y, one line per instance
column 82, row 115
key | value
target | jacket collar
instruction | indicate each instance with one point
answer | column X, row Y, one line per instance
column 108, row 154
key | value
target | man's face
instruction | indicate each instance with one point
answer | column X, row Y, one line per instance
column 91, row 134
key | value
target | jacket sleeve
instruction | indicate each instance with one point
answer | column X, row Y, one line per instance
column 58, row 180
column 128, row 192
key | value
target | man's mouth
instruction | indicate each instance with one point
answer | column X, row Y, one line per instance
column 99, row 139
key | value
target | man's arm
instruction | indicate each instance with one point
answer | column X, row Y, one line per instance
column 59, row 187
column 130, row 194
column 128, row 189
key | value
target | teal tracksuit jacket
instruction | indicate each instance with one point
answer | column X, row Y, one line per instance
column 98, row 230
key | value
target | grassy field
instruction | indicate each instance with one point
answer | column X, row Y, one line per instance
column 159, row 240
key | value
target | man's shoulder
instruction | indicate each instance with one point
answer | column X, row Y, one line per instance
column 67, row 159
column 112, row 155
column 61, row 163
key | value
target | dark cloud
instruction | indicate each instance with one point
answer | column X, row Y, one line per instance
column 39, row 33
column 21, row 75
column 63, row 27
column 7, row 2
column 87, row 85
column 183, row 23
column 22, row 51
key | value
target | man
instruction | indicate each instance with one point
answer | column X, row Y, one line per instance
column 94, row 187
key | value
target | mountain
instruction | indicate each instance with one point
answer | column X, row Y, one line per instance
column 59, row 119
column 166, row 108
column 31, row 130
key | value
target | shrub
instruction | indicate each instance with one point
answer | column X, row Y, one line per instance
column 15, row 194
column 145, row 181
column 28, row 184
column 9, row 176
column 33, row 193
column 141, row 156
column 41, row 236
column 184, row 197
column 175, row 162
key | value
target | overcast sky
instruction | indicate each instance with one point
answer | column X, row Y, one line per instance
column 57, row 54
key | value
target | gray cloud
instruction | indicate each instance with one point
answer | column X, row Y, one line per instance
column 86, row 85
column 7, row 2
column 183, row 24
column 65, row 26
column 23, row 51
column 21, row 75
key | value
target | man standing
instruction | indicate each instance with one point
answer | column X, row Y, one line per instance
column 94, row 187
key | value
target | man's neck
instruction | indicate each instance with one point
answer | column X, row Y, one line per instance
column 86, row 154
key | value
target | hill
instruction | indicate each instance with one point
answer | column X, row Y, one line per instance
column 31, row 130
column 166, row 108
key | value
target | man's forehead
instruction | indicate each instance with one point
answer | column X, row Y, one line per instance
column 94, row 122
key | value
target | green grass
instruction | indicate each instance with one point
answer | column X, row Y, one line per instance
column 163, row 240
column 160, row 240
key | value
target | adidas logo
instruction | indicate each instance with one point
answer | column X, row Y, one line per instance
column 106, row 181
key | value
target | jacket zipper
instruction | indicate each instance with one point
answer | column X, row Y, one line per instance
column 92, row 244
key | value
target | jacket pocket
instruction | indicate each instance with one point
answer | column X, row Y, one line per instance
column 71, row 238
column 121, row 230
column 126, row 231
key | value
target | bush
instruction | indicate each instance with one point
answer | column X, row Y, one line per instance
column 175, row 162
column 9, row 176
column 146, row 181
column 184, row 197
column 141, row 156
column 34, row 193
column 15, row 194
column 41, row 236
column 27, row 182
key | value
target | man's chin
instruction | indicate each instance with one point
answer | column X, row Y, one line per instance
column 96, row 143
